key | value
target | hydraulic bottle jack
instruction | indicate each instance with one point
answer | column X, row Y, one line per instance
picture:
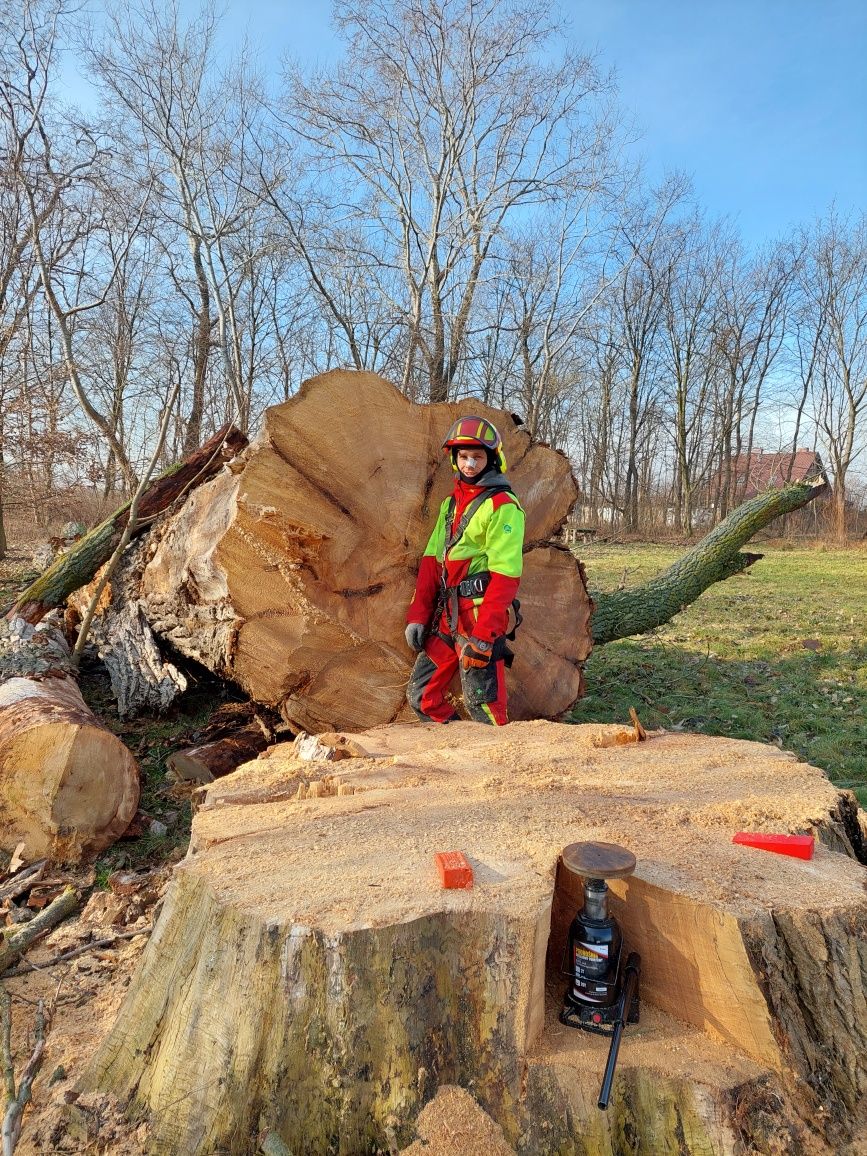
column 602, row 991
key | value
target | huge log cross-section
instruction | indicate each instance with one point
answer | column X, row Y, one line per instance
column 292, row 576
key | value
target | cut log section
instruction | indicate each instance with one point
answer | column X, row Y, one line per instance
column 293, row 576
column 310, row 979
column 68, row 786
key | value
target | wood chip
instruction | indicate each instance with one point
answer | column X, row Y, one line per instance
column 640, row 732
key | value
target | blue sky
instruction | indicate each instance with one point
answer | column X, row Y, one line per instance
column 762, row 102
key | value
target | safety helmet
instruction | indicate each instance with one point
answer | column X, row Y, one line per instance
column 476, row 431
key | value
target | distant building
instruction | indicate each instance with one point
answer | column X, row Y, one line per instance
column 756, row 472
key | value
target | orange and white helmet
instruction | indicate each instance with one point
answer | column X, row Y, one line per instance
column 476, row 431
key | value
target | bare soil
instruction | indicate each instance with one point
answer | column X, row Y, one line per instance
column 85, row 994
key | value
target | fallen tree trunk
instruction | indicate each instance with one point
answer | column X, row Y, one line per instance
column 73, row 569
column 68, row 786
column 622, row 613
column 293, row 576
column 355, row 986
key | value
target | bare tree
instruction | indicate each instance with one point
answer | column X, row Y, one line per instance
column 445, row 119
column 22, row 88
column 833, row 290
column 193, row 124
column 63, row 181
column 640, row 297
column 689, row 360
column 750, row 331
column 547, row 282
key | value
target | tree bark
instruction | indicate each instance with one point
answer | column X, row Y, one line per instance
column 622, row 613
column 77, row 566
column 68, row 786
column 355, row 986
column 142, row 680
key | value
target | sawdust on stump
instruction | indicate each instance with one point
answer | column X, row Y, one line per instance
column 453, row 1124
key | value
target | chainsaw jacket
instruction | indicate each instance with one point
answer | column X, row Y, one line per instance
column 490, row 547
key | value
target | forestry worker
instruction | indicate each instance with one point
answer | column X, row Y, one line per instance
column 467, row 582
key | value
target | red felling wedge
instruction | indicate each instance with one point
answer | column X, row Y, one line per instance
column 455, row 870
column 800, row 846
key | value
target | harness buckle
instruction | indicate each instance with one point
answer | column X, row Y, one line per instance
column 474, row 586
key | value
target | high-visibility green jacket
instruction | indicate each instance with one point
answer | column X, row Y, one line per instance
column 492, row 541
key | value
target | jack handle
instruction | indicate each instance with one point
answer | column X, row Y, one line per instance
column 631, row 973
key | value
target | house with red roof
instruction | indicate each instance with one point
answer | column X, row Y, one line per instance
column 757, row 471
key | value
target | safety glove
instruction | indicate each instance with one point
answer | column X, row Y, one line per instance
column 414, row 634
column 476, row 652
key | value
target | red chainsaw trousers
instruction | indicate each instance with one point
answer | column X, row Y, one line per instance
column 483, row 687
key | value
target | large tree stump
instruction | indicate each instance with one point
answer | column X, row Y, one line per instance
column 293, row 575
column 309, row 979
column 68, row 786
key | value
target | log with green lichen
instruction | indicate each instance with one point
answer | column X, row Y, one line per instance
column 77, row 566
column 621, row 613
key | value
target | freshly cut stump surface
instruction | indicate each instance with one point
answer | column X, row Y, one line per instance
column 292, row 575
column 309, row 977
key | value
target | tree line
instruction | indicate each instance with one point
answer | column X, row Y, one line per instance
column 450, row 205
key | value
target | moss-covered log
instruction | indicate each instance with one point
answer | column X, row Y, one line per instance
column 77, row 566
column 622, row 613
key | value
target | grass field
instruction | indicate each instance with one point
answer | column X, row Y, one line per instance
column 778, row 655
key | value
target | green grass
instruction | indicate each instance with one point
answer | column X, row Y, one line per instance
column 734, row 663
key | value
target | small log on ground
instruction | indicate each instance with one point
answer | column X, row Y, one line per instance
column 309, row 979
column 14, row 942
column 68, row 786
column 211, row 761
column 293, row 576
